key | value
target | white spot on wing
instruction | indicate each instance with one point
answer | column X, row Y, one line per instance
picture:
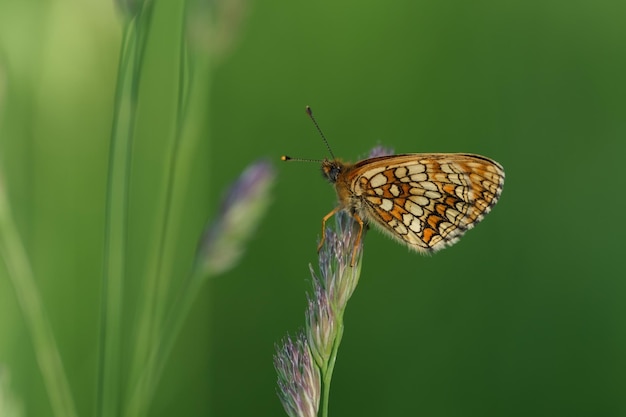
column 413, row 208
column 419, row 177
column 455, row 179
column 386, row 204
column 416, row 169
column 378, row 180
column 446, row 168
column 416, row 225
column 401, row 228
column 427, row 185
column 418, row 199
column 452, row 214
column 432, row 194
column 400, row 172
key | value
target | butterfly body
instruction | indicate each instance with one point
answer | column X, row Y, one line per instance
column 425, row 201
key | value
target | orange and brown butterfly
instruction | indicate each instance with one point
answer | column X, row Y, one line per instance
column 425, row 200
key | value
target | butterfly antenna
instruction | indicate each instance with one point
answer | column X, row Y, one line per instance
column 310, row 113
column 289, row 158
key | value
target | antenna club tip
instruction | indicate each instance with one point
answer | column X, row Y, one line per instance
column 285, row 158
column 309, row 111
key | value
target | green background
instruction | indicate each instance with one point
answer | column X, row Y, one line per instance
column 525, row 316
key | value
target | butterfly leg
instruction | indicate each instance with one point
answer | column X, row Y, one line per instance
column 358, row 237
column 326, row 217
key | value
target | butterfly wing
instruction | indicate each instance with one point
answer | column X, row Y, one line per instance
column 426, row 201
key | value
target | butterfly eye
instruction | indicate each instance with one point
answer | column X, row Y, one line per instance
column 331, row 171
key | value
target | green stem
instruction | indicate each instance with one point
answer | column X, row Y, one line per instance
column 162, row 265
column 116, row 215
column 114, row 241
column 44, row 345
column 327, row 374
column 157, row 358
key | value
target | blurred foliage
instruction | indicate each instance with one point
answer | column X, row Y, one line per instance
column 524, row 316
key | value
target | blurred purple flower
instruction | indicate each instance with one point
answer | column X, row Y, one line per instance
column 215, row 26
column 131, row 8
column 247, row 200
column 380, row 150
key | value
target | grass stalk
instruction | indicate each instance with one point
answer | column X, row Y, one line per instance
column 327, row 374
column 145, row 388
column 109, row 381
column 21, row 276
column 156, row 331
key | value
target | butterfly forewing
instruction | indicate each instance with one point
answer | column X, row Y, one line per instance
column 424, row 200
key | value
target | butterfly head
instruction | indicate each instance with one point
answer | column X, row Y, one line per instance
column 331, row 169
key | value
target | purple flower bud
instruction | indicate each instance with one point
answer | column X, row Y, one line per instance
column 320, row 323
column 338, row 277
column 299, row 382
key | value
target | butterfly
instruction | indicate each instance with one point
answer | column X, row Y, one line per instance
column 426, row 201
